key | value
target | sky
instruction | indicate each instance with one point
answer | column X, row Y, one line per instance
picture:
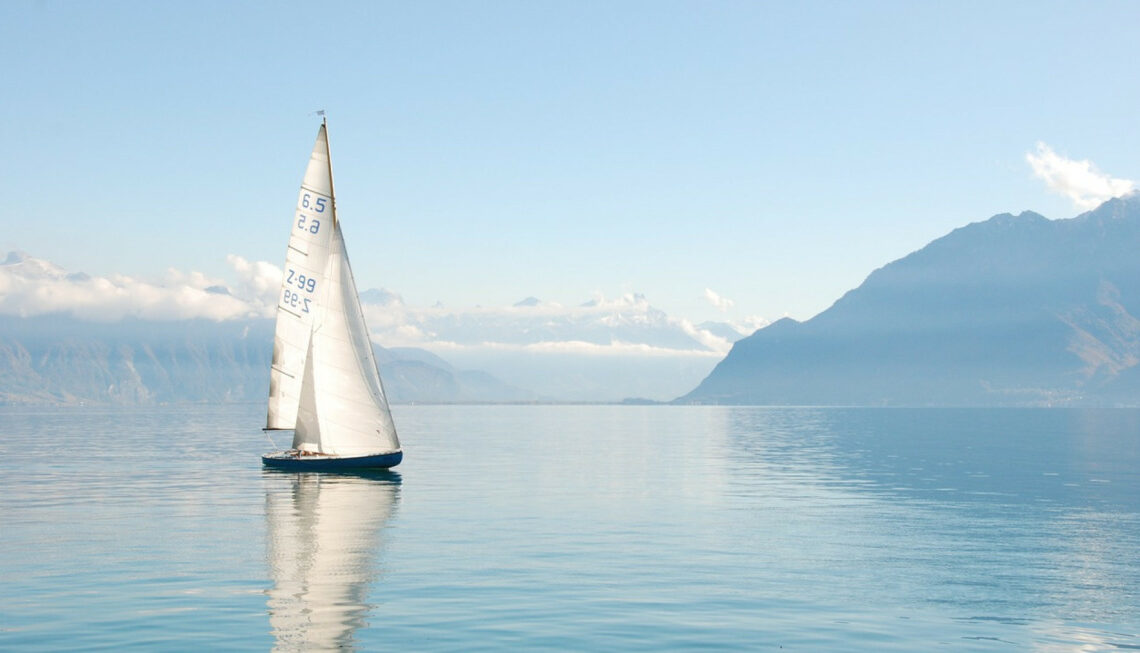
column 727, row 160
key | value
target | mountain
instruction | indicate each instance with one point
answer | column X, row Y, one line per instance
column 413, row 375
column 55, row 359
column 1015, row 310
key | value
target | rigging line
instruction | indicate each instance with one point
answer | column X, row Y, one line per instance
column 271, row 442
column 296, row 315
column 315, row 192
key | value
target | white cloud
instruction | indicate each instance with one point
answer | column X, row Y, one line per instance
column 1080, row 181
column 580, row 347
column 192, row 279
column 710, row 340
column 625, row 325
column 257, row 280
column 749, row 325
column 720, row 303
column 30, row 286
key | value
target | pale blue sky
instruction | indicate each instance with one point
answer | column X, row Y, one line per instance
column 774, row 152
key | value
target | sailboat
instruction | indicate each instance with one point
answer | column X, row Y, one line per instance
column 324, row 384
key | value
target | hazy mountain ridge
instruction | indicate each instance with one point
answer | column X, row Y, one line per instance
column 55, row 359
column 1016, row 310
column 603, row 349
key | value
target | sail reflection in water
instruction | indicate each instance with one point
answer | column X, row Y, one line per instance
column 324, row 535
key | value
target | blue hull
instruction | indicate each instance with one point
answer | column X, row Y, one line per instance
column 323, row 463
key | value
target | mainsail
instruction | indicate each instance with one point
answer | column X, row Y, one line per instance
column 324, row 383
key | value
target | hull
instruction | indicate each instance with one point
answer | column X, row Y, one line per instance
column 291, row 461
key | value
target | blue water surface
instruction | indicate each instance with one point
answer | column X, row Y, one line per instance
column 577, row 528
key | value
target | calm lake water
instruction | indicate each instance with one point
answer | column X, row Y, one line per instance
column 580, row 528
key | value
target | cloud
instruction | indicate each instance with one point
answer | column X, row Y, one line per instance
column 722, row 304
column 707, row 338
column 579, row 347
column 30, row 286
column 749, row 325
column 257, row 280
column 1080, row 181
column 625, row 325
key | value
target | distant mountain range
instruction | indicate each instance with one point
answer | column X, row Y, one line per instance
column 69, row 336
column 600, row 350
column 414, row 375
column 56, row 359
column 1015, row 310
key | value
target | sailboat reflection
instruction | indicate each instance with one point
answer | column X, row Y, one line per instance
column 324, row 538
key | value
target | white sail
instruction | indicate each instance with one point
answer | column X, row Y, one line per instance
column 305, row 262
column 307, row 433
column 343, row 408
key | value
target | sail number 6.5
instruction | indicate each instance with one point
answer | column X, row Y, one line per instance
column 318, row 205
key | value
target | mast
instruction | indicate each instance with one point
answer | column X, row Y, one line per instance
column 328, row 155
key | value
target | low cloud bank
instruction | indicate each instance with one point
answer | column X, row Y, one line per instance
column 31, row 286
column 621, row 326
column 624, row 326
